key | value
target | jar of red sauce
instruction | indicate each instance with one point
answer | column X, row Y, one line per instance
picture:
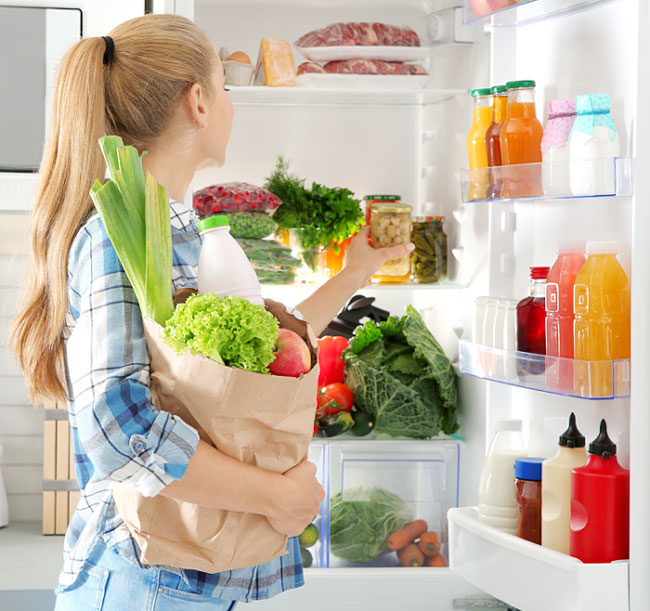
column 528, row 492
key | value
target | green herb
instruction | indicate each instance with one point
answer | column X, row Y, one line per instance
column 360, row 524
column 135, row 212
column 229, row 330
column 402, row 378
column 322, row 216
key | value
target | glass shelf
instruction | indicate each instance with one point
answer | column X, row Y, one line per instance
column 576, row 179
column 524, row 12
column 551, row 374
column 409, row 286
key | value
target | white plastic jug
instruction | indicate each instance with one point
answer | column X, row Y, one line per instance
column 224, row 268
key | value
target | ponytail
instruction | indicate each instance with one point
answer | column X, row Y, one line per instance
column 156, row 57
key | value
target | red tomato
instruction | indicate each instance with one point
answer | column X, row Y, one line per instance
column 335, row 398
column 331, row 365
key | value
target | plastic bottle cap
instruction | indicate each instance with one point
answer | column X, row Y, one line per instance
column 572, row 438
column 508, row 425
column 219, row 220
column 575, row 246
column 539, row 273
column 528, row 468
column 602, row 248
column 519, row 84
column 603, row 445
column 498, row 89
column 483, row 91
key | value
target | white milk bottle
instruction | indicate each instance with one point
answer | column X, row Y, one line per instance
column 555, row 146
column 497, row 505
column 593, row 145
column 556, row 488
column 224, row 268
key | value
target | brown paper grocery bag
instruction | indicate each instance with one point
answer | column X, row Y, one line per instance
column 263, row 420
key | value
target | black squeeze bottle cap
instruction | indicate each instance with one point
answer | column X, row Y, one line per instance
column 603, row 445
column 572, row 438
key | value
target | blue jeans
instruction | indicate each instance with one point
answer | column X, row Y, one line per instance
column 108, row 582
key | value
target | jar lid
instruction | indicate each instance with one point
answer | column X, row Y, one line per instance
column 428, row 219
column 218, row 220
column 498, row 89
column 383, row 198
column 520, row 84
column 528, row 468
column 482, row 91
column 539, row 273
column 390, row 207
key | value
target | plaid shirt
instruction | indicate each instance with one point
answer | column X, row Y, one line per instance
column 118, row 435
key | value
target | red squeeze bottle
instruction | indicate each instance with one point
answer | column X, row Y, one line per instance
column 600, row 505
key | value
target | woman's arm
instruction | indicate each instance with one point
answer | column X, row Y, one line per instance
column 361, row 262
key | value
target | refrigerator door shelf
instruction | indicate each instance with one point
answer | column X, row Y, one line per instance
column 551, row 374
column 602, row 177
column 527, row 11
column 529, row 576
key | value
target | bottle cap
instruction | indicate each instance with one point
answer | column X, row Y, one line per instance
column 528, row 468
column 575, row 246
column 218, row 220
column 498, row 89
column 519, row 84
column 483, row 91
column 572, row 438
column 539, row 273
column 602, row 248
column 508, row 425
column 603, row 445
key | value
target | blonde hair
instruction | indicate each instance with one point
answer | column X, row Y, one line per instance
column 156, row 58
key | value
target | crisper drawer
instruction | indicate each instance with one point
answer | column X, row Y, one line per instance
column 313, row 547
column 376, row 487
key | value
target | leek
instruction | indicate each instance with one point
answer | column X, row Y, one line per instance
column 135, row 212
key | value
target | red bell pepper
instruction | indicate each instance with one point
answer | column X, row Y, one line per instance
column 330, row 348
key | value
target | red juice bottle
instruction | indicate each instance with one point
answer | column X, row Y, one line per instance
column 600, row 505
column 492, row 139
column 531, row 322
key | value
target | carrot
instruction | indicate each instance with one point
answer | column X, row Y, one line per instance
column 411, row 555
column 402, row 537
column 436, row 560
column 429, row 543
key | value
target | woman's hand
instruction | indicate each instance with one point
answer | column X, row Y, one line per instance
column 362, row 260
column 301, row 499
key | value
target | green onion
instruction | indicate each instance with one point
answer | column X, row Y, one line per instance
column 135, row 212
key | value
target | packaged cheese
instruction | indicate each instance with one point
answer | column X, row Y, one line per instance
column 275, row 64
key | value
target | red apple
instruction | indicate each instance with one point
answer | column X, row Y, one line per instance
column 292, row 356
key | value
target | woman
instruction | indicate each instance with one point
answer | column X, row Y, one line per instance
column 158, row 83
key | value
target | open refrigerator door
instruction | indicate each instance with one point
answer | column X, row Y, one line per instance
column 410, row 139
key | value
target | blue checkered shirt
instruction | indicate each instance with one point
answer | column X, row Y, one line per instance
column 118, row 435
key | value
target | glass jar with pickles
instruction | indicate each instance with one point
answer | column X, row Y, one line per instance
column 429, row 257
column 390, row 224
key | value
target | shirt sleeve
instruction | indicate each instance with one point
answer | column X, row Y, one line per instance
column 122, row 434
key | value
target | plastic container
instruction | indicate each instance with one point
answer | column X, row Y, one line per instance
column 476, row 144
column 480, row 306
column 238, row 73
column 390, row 224
column 555, row 146
column 429, row 257
column 602, row 319
column 559, row 312
column 493, row 139
column 521, row 140
column 556, row 487
column 528, row 492
column 593, row 138
column 497, row 505
column 224, row 269
column 531, row 319
column 600, row 505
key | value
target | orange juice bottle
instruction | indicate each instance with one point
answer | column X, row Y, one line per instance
column 521, row 143
column 476, row 145
column 602, row 321
column 493, row 139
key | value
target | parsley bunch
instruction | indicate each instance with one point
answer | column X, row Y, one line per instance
column 321, row 216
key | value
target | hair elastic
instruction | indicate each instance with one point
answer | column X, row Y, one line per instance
column 110, row 49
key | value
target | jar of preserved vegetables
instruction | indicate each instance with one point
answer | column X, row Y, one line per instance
column 379, row 199
column 429, row 258
column 390, row 224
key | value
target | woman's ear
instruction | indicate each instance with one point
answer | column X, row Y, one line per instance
column 195, row 106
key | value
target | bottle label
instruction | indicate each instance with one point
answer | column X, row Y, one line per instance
column 552, row 297
column 581, row 299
